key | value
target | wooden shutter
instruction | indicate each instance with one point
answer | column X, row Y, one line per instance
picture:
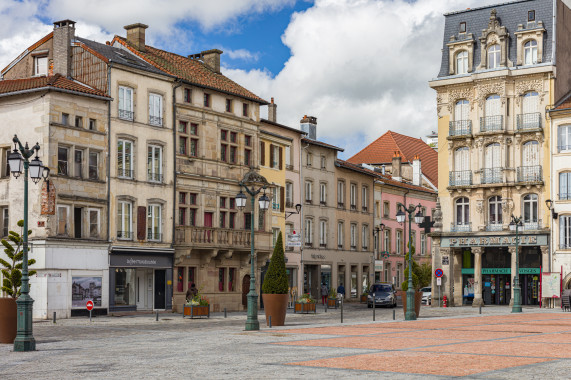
column 282, row 198
column 262, row 153
column 281, row 158
column 272, row 155
column 141, row 222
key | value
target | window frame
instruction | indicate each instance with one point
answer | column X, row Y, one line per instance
column 127, row 111
column 40, row 61
column 123, row 161
column 98, row 223
column 155, row 119
column 152, row 175
column 125, row 205
column 495, row 52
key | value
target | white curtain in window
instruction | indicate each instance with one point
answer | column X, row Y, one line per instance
column 564, row 137
column 126, row 99
column 462, row 62
column 565, row 232
column 492, row 156
column 462, row 110
column 530, row 155
column 530, row 52
column 493, row 106
column 155, row 105
column 462, row 159
column 494, row 56
column 531, row 102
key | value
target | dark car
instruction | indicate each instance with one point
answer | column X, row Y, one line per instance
column 385, row 295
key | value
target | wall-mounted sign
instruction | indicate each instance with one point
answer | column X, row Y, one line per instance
column 445, row 260
column 493, row 241
column 293, row 240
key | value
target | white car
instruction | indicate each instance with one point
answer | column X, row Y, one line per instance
column 426, row 295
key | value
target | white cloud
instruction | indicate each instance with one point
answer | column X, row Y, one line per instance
column 242, row 54
column 361, row 67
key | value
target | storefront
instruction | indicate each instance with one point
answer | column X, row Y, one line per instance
column 140, row 280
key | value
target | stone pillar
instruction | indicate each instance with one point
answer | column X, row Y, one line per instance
column 447, row 279
column 478, row 301
column 436, row 263
column 544, row 268
column 513, row 272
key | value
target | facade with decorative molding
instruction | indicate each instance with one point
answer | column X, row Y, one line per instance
column 498, row 75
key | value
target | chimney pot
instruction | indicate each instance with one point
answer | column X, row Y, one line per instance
column 136, row 35
column 309, row 125
column 273, row 111
column 64, row 34
column 396, row 167
column 211, row 58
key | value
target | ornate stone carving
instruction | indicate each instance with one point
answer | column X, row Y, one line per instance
column 489, row 88
column 458, row 93
column 479, row 206
column 438, row 216
column 521, row 87
column 507, row 206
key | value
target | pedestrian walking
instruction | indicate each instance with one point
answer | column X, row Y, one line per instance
column 341, row 291
column 324, row 293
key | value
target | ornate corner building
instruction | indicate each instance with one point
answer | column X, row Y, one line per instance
column 497, row 78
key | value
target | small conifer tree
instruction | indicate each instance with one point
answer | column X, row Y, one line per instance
column 275, row 281
column 12, row 272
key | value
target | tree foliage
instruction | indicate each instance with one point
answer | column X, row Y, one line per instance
column 275, row 280
column 12, row 271
column 421, row 275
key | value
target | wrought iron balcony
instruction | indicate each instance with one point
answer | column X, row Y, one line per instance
column 156, row 120
column 530, row 225
column 492, row 175
column 460, row 178
column 460, row 227
column 495, row 227
column 212, row 237
column 460, row 128
column 154, row 236
column 492, row 123
column 125, row 115
column 124, row 173
column 529, row 121
column 529, row 174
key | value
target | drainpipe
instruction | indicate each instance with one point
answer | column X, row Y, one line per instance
column 177, row 85
column 109, row 154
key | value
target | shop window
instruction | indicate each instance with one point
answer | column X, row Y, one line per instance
column 124, row 287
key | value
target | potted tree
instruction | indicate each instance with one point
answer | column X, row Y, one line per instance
column 12, row 273
column 275, row 287
column 418, row 282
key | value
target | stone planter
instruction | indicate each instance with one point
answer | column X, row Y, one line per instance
column 332, row 303
column 8, row 320
column 304, row 308
column 196, row 311
column 275, row 306
column 417, row 301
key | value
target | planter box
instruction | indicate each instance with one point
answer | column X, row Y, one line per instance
column 8, row 320
column 332, row 303
column 304, row 308
column 196, row 311
column 275, row 306
column 364, row 298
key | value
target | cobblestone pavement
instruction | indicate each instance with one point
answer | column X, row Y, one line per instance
column 442, row 343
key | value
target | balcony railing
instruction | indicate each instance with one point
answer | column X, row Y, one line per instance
column 460, row 178
column 529, row 173
column 530, row 226
column 124, row 173
column 529, row 121
column 125, row 115
column 495, row 227
column 492, row 175
column 492, row 123
column 460, row 128
column 212, row 237
column 154, row 177
column 565, row 196
column 156, row 120
column 563, row 148
column 460, row 227
column 153, row 236
column 125, row 235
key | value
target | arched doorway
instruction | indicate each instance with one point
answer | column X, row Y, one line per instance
column 245, row 289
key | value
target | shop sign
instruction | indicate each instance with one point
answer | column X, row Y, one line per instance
column 134, row 261
column 508, row 270
column 317, row 256
column 493, row 241
column 293, row 240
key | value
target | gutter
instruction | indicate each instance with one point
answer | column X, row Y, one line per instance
column 174, row 158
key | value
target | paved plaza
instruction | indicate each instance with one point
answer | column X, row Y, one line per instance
column 443, row 343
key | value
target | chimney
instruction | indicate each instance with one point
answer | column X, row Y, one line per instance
column 383, row 169
column 396, row 169
column 272, row 111
column 211, row 58
column 136, row 35
column 416, row 171
column 309, row 125
column 64, row 34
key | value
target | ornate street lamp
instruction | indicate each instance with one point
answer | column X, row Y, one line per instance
column 418, row 218
column 515, row 224
column 253, row 182
column 19, row 160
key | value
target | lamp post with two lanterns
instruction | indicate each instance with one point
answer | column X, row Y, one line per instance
column 19, row 161
column 515, row 224
column 254, row 183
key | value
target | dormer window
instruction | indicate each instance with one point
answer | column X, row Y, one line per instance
column 494, row 53
column 40, row 65
column 530, row 16
column 462, row 27
column 462, row 62
column 530, row 52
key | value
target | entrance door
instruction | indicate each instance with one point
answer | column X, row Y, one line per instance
column 141, row 290
column 149, row 275
column 245, row 289
column 160, row 296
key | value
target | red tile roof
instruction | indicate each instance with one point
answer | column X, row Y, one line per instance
column 320, row 143
column 382, row 149
column 191, row 70
column 47, row 82
column 563, row 104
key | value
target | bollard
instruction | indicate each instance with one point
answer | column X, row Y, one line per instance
column 270, row 321
column 394, row 313
column 225, row 314
column 325, row 307
column 374, row 306
column 480, row 309
column 341, row 310
column 157, row 317
column 54, row 317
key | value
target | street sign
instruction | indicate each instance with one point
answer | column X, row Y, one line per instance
column 385, row 254
column 445, row 260
column 293, row 240
column 438, row 273
column 438, row 281
column 89, row 305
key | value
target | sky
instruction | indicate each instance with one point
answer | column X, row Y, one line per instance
column 360, row 66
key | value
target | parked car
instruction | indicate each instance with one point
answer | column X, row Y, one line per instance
column 385, row 295
column 426, row 295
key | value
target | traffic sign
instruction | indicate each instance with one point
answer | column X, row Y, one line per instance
column 385, row 254
column 89, row 305
column 438, row 281
column 438, row 273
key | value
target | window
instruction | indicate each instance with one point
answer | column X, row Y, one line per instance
column 423, row 244
column 223, row 152
column 248, row 140
column 232, row 220
column 40, row 65
column 4, row 214
column 386, row 209
column 462, row 28
column 93, row 165
column 125, row 159
column 565, row 232
column 228, row 105
column 187, row 95
column 124, row 222
column 92, row 124
column 323, row 162
column 462, row 211
column 275, row 198
column 323, row 193
column 288, row 162
column 340, row 193
column 495, row 210
column 233, row 137
column 182, row 216
column 377, row 210
column 221, row 278
column 565, row 186
column 530, row 52
column 399, row 242
column 155, row 109
column 353, row 236
column 530, row 16
column 125, row 103
column 206, row 100
column 365, row 237
column 65, row 119
column 245, row 109
column 322, row 233
column 494, row 56
column 78, row 163
column 231, row 279
column 63, row 220
column 183, row 137
column 275, row 156
column 93, row 215
column 340, row 235
column 364, row 198
column 308, row 232
column 308, row 191
column 62, row 161
column 387, row 240
column 247, row 150
column 309, row 159
column 564, row 138
column 194, row 140
column 462, row 62
column 222, row 219
column 275, row 234
column 155, row 163
column 289, row 194
column 530, row 209
column 353, row 196
column 79, row 122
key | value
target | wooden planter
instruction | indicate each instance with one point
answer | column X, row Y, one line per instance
column 304, row 308
column 196, row 311
column 332, row 303
column 417, row 302
column 8, row 320
column 364, row 298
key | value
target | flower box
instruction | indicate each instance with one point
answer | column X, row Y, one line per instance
column 332, row 303
column 304, row 308
column 364, row 298
column 196, row 311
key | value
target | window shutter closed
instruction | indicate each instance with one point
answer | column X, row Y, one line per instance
column 272, row 155
column 262, row 153
column 282, row 198
column 281, row 158
column 141, row 222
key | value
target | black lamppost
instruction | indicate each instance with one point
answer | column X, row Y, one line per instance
column 297, row 211
column 418, row 218
column 19, row 160
column 253, row 182
column 515, row 224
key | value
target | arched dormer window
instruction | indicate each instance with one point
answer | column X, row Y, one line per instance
column 530, row 52
column 462, row 62
column 494, row 55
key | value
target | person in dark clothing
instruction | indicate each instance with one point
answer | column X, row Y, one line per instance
column 191, row 292
column 341, row 290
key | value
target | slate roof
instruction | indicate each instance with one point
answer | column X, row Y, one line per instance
column 47, row 83
column 381, row 151
column 563, row 104
column 510, row 15
column 191, row 70
column 322, row 144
